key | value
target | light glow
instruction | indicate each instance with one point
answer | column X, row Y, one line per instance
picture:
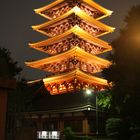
column 76, row 9
column 88, row 91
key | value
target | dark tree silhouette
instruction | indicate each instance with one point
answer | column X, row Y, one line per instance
column 9, row 67
column 125, row 71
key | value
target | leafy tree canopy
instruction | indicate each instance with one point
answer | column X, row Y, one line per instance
column 9, row 67
column 125, row 71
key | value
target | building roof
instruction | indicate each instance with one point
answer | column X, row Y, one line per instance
column 76, row 30
column 77, row 74
column 74, row 101
column 76, row 51
column 89, row 2
column 78, row 12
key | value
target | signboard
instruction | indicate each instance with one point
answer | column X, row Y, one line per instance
column 55, row 135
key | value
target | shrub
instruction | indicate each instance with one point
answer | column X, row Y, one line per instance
column 135, row 137
column 118, row 129
column 113, row 125
column 69, row 135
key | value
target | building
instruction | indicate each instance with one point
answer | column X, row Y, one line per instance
column 72, row 65
column 55, row 113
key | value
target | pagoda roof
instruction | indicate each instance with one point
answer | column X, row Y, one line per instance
column 75, row 74
column 89, row 2
column 76, row 51
column 76, row 30
column 43, row 102
column 80, row 13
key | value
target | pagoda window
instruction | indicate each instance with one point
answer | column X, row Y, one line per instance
column 70, row 86
column 78, row 86
column 62, row 87
column 85, row 86
column 54, row 89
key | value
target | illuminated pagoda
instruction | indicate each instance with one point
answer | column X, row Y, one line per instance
column 73, row 63
column 72, row 45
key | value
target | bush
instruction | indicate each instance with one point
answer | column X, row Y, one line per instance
column 113, row 125
column 135, row 137
column 69, row 135
column 117, row 129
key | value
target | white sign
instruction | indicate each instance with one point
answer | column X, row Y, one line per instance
column 48, row 135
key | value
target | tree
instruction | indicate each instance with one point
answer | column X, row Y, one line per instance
column 104, row 99
column 125, row 70
column 9, row 67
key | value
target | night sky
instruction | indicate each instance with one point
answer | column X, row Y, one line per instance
column 17, row 17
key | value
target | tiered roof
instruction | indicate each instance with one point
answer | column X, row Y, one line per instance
column 73, row 30
column 74, row 55
column 74, row 12
column 92, row 8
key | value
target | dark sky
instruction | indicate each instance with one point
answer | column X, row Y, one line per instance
column 17, row 17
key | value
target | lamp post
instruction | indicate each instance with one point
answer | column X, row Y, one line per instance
column 97, row 131
column 89, row 92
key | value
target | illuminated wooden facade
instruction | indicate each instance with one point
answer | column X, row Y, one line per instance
column 73, row 45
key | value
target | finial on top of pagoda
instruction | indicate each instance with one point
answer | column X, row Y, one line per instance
column 74, row 28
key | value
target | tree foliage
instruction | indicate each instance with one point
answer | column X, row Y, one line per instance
column 9, row 67
column 104, row 100
column 125, row 71
column 117, row 129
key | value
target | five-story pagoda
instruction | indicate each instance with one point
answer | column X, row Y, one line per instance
column 73, row 45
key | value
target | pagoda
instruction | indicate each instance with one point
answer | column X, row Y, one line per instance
column 72, row 45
